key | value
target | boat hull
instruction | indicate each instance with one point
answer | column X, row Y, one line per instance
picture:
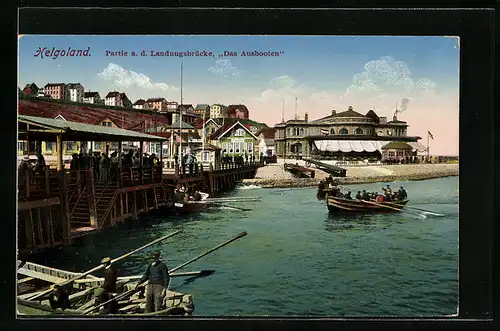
column 190, row 207
column 359, row 206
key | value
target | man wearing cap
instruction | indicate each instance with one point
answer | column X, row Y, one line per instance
column 107, row 290
column 157, row 274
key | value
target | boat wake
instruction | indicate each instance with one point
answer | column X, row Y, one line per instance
column 248, row 187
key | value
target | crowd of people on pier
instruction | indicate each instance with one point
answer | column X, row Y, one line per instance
column 387, row 195
column 103, row 166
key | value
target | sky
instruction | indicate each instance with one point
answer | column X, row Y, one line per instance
column 321, row 72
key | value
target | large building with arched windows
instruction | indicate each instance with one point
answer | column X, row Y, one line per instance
column 343, row 135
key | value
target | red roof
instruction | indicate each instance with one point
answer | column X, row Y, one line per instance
column 112, row 94
column 198, row 123
column 231, row 109
column 156, row 100
column 125, row 119
column 268, row 133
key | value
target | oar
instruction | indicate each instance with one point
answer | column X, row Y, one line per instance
column 424, row 210
column 209, row 251
column 131, row 292
column 99, row 267
column 200, row 273
column 381, row 205
column 393, row 208
column 232, row 207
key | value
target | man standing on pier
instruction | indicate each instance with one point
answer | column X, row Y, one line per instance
column 157, row 274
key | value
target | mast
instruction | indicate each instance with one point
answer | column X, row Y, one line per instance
column 283, row 111
column 296, row 110
column 180, row 118
column 203, row 137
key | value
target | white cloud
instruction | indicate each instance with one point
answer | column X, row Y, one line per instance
column 283, row 88
column 224, row 68
column 388, row 75
column 124, row 78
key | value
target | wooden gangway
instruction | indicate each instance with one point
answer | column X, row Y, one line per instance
column 328, row 168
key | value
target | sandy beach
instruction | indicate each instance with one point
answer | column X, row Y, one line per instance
column 273, row 175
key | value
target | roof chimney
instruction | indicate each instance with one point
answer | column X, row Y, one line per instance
column 306, row 117
column 350, row 108
column 334, row 112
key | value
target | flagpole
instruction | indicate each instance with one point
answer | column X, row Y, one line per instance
column 180, row 118
column 427, row 146
column 203, row 138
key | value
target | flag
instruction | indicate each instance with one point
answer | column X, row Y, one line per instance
column 430, row 134
column 324, row 132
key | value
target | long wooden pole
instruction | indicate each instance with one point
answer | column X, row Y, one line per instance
column 131, row 292
column 99, row 267
column 209, row 251
column 420, row 209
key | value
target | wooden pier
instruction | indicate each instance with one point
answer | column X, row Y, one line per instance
column 58, row 205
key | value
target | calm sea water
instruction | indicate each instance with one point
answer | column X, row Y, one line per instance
column 299, row 260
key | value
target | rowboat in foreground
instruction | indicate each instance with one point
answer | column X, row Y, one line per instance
column 81, row 295
column 336, row 204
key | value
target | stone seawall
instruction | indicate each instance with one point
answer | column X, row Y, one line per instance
column 355, row 175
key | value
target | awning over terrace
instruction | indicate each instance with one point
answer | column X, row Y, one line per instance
column 358, row 145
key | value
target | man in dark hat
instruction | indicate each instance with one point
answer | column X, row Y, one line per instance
column 365, row 196
column 157, row 274
column 402, row 193
column 348, row 196
column 359, row 196
column 59, row 297
column 107, row 290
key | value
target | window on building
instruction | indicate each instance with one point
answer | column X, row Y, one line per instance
column 97, row 145
column 103, row 123
column 70, row 145
column 231, row 148
column 109, row 123
column 205, row 156
column 332, row 131
column 288, row 131
column 48, row 146
column 343, row 131
column 224, row 146
column 237, row 148
column 20, row 146
column 250, row 147
column 358, row 131
column 239, row 132
column 301, row 131
column 242, row 147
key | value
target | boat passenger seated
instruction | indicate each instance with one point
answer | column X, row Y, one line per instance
column 402, row 195
column 348, row 196
column 365, row 196
column 197, row 196
column 359, row 196
column 379, row 198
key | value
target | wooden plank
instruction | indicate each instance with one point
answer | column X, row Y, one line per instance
column 40, row 275
column 39, row 225
column 155, row 198
column 26, row 205
column 32, row 228
column 146, row 199
column 138, row 187
column 47, row 181
column 24, row 280
column 121, row 205
column 126, row 204
column 51, row 220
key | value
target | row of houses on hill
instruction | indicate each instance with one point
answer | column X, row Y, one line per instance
column 233, row 137
column 75, row 92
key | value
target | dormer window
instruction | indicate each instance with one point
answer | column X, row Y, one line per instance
column 239, row 132
column 358, row 131
column 332, row 131
column 343, row 131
